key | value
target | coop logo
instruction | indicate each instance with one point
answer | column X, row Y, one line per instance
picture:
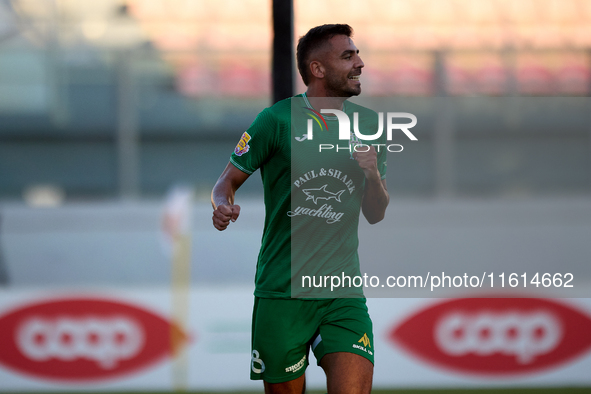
column 524, row 336
column 495, row 336
column 85, row 339
column 346, row 134
column 105, row 341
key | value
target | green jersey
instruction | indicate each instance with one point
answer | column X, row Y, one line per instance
column 313, row 190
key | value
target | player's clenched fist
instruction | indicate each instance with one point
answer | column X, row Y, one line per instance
column 224, row 214
column 368, row 161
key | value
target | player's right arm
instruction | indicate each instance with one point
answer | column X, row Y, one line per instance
column 222, row 196
column 254, row 148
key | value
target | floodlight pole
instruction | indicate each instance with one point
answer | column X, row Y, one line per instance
column 283, row 58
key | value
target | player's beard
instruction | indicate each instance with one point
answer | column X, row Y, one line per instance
column 337, row 86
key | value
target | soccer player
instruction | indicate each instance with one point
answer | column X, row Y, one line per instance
column 312, row 204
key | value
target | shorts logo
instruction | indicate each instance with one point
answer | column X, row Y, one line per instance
column 297, row 366
column 365, row 340
column 242, row 146
column 255, row 359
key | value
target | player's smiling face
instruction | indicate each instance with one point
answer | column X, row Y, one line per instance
column 343, row 68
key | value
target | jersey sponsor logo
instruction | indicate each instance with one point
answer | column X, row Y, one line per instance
column 304, row 137
column 85, row 339
column 324, row 212
column 496, row 336
column 331, row 172
column 297, row 366
column 365, row 340
column 255, row 359
column 321, row 193
column 242, row 146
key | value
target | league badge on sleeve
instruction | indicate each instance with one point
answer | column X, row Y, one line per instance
column 242, row 146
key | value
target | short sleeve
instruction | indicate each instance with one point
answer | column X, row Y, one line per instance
column 256, row 144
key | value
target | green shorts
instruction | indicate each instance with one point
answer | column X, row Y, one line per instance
column 284, row 330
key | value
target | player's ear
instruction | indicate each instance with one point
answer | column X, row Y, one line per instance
column 317, row 69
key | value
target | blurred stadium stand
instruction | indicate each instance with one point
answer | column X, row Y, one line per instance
column 114, row 98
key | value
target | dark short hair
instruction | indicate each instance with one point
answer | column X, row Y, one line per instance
column 315, row 37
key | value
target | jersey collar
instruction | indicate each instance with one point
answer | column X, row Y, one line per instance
column 310, row 106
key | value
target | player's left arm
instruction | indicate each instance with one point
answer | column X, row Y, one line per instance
column 375, row 194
